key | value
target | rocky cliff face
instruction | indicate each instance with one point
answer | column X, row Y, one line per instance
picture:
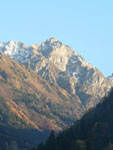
column 34, row 100
column 110, row 78
column 62, row 67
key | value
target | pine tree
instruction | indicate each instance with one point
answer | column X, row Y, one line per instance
column 40, row 146
column 50, row 143
column 6, row 146
column 14, row 146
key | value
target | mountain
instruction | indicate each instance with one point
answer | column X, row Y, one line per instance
column 45, row 87
column 110, row 78
column 94, row 131
column 34, row 99
column 15, row 132
column 30, row 107
column 62, row 67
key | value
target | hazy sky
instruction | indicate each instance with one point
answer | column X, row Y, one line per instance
column 85, row 25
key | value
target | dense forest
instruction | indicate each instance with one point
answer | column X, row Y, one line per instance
column 15, row 134
column 94, row 131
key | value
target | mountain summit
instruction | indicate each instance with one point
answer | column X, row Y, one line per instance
column 47, row 87
column 62, row 67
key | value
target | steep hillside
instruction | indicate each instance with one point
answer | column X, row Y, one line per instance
column 47, row 88
column 15, row 131
column 62, row 67
column 94, row 131
column 35, row 104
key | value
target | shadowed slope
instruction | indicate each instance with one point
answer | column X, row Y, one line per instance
column 94, row 131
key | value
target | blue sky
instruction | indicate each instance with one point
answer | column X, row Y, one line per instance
column 85, row 25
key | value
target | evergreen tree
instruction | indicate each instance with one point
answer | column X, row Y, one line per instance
column 40, row 146
column 80, row 145
column 50, row 143
column 14, row 146
column 6, row 146
column 110, row 147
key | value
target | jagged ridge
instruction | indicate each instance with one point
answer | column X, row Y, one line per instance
column 62, row 67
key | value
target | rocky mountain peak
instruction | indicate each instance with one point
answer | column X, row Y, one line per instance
column 53, row 42
column 52, row 39
column 47, row 47
column 61, row 66
column 12, row 43
column 69, row 87
column 110, row 78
